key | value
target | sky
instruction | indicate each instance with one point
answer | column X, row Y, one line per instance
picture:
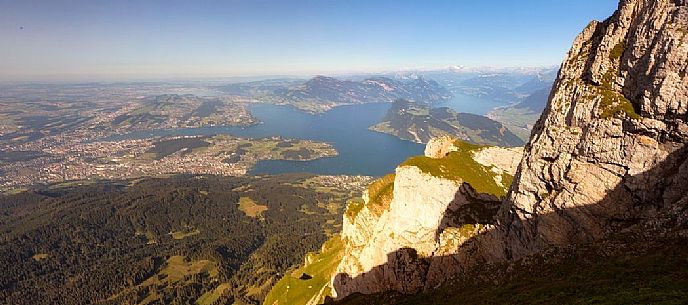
column 154, row 39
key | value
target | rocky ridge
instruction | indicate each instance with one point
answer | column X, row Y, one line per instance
column 608, row 154
column 610, row 148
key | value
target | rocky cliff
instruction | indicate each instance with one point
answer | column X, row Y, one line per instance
column 395, row 238
column 610, row 149
column 608, row 153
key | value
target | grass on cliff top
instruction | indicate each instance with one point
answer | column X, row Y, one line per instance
column 380, row 193
column 353, row 207
column 460, row 166
column 293, row 290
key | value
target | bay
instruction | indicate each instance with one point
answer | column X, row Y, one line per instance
column 361, row 151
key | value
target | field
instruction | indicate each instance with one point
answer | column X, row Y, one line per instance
column 310, row 283
column 251, row 208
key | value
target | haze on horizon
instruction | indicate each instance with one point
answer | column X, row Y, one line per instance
column 127, row 40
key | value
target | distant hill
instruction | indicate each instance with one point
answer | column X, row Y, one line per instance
column 521, row 117
column 378, row 89
column 168, row 111
column 535, row 102
column 503, row 85
column 419, row 123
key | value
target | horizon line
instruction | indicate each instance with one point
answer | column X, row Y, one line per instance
column 69, row 78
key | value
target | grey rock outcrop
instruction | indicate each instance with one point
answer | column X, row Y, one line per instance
column 608, row 149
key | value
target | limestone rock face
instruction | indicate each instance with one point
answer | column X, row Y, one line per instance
column 428, row 218
column 410, row 223
column 504, row 159
column 607, row 148
column 439, row 147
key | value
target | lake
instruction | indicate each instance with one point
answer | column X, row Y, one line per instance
column 361, row 151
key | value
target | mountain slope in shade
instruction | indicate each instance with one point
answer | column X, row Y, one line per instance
column 628, row 268
column 419, row 123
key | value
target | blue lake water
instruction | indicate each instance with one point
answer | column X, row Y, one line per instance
column 361, row 151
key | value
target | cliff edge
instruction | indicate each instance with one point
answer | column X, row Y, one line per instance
column 607, row 156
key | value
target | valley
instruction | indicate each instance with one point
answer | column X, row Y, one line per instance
column 181, row 239
column 153, row 195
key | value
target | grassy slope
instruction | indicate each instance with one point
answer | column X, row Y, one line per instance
column 176, row 272
column 212, row 296
column 293, row 290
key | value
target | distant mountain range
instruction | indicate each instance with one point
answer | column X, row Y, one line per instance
column 541, row 81
column 377, row 89
column 506, row 85
column 419, row 123
column 260, row 87
column 322, row 93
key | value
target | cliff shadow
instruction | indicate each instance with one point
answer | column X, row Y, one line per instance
column 469, row 209
column 659, row 195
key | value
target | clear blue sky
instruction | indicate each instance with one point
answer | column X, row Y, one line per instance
column 94, row 39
